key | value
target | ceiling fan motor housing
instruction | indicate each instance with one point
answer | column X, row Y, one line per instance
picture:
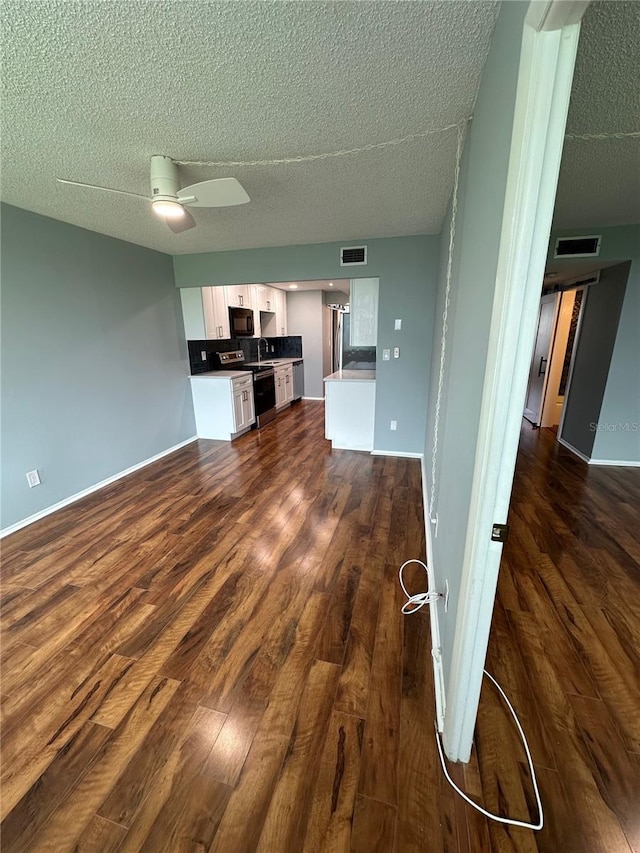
column 164, row 179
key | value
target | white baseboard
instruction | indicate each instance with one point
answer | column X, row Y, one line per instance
column 616, row 463
column 405, row 454
column 83, row 494
column 321, row 399
column 574, row 450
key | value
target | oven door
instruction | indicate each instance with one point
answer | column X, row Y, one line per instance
column 264, row 393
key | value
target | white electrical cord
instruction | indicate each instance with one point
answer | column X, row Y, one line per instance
column 412, row 605
column 509, row 821
column 311, row 158
column 445, row 316
column 418, row 601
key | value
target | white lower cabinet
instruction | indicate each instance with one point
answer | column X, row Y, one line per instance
column 223, row 404
column 284, row 385
column 243, row 407
column 349, row 409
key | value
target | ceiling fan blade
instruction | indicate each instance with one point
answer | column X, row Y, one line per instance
column 218, row 192
column 183, row 224
column 96, row 187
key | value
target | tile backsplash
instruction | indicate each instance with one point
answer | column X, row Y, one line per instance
column 282, row 347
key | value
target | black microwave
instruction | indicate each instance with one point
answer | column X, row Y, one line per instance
column 241, row 322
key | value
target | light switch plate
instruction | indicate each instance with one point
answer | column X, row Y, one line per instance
column 397, row 325
column 386, row 354
column 203, row 355
column 396, row 352
column 33, row 478
column 394, row 425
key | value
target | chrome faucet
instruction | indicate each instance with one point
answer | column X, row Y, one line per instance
column 267, row 343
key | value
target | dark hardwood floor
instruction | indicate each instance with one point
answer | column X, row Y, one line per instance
column 210, row 655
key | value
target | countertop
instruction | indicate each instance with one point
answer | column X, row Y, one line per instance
column 351, row 376
column 221, row 374
column 276, row 362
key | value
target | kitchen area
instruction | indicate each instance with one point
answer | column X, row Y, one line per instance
column 246, row 359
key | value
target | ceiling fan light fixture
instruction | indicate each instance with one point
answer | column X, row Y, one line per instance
column 167, row 209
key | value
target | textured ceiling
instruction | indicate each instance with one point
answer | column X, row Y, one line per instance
column 600, row 179
column 92, row 89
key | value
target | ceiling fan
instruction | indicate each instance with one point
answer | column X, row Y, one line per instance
column 172, row 203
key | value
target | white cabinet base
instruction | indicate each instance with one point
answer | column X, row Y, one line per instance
column 222, row 405
column 349, row 413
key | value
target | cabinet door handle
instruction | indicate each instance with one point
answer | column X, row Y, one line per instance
column 268, row 306
column 240, row 298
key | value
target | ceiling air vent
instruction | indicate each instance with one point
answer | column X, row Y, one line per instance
column 577, row 247
column 353, row 256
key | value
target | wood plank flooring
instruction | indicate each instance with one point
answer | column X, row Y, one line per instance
column 210, row 656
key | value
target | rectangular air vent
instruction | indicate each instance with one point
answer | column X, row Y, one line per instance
column 353, row 256
column 577, row 247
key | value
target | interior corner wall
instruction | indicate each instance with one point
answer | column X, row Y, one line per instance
column 305, row 316
column 591, row 361
column 408, row 270
column 94, row 361
column 481, row 197
column 618, row 439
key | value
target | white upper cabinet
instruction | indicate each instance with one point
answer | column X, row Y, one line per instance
column 266, row 298
column 238, row 295
column 216, row 312
column 193, row 313
column 281, row 312
column 364, row 312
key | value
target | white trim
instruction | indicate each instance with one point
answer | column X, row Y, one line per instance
column 88, row 491
column 616, row 463
column 544, row 86
column 574, row 350
column 555, row 14
column 319, row 399
column 434, row 622
column 403, row 453
column 573, row 450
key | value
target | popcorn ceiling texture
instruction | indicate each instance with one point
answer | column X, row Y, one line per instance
column 92, row 89
column 600, row 180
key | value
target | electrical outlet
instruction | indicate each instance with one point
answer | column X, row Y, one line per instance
column 33, row 478
column 397, row 325
column 386, row 354
column 396, row 352
column 203, row 355
column 394, row 425
column 446, row 596
column 434, row 521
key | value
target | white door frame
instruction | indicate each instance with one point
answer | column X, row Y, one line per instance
column 547, row 60
column 555, row 298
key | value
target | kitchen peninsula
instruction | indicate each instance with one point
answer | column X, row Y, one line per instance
column 350, row 399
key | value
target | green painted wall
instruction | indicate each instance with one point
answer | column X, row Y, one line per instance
column 94, row 362
column 408, row 271
column 483, row 180
column 619, row 440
